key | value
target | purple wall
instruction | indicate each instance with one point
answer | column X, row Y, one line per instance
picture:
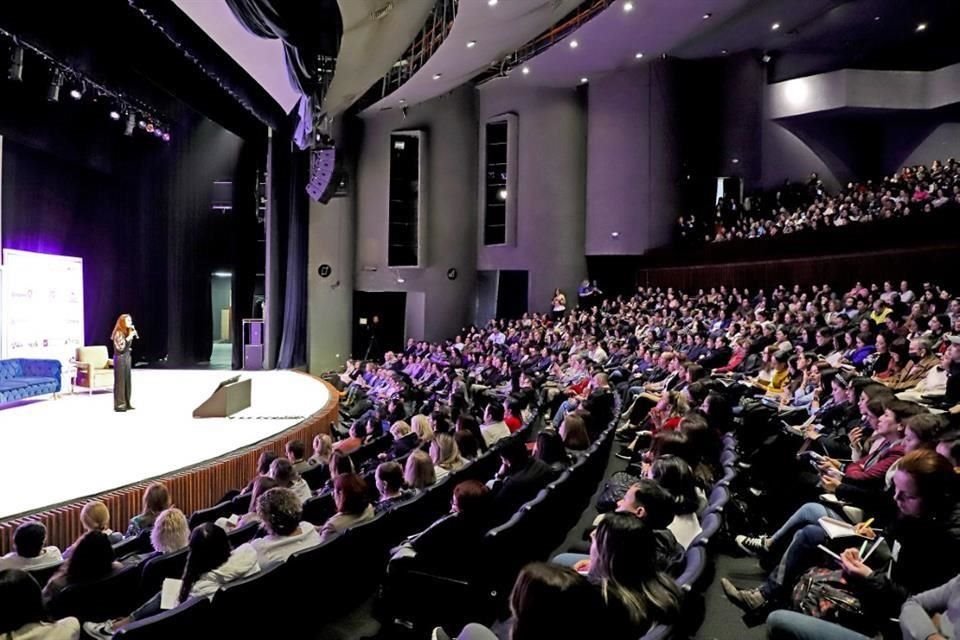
column 551, row 141
column 632, row 161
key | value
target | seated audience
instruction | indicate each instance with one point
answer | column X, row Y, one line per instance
column 353, row 507
column 390, row 486
column 404, row 441
column 674, row 475
column 354, row 441
column 445, row 453
column 296, row 452
column 512, row 415
column 933, row 614
column 281, row 515
column 96, row 517
column 263, row 468
column 22, row 615
column 420, row 471
column 170, row 532
column 573, row 431
column 156, row 498
column 548, row 448
column 30, row 550
column 92, row 560
column 282, row 471
column 420, row 424
column 468, row 445
column 211, row 565
column 322, row 449
column 493, row 428
column 519, row 479
column 260, row 487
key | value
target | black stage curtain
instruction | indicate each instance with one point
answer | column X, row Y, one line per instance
column 289, row 212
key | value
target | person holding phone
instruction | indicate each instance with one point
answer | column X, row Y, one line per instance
column 123, row 335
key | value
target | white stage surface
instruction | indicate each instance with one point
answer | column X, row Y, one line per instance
column 58, row 450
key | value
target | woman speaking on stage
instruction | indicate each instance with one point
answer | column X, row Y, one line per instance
column 123, row 334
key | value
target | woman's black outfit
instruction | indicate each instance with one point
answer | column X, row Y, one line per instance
column 122, row 364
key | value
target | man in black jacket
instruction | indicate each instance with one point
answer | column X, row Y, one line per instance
column 520, row 478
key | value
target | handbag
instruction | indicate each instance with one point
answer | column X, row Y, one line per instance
column 825, row 594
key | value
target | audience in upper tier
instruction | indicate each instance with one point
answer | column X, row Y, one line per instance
column 793, row 208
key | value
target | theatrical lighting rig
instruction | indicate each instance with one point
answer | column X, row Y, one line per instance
column 121, row 106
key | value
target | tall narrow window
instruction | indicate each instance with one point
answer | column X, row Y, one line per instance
column 404, row 212
column 499, row 179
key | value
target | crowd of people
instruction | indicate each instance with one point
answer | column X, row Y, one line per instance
column 842, row 401
column 914, row 190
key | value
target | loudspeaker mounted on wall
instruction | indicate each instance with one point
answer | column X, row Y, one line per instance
column 323, row 174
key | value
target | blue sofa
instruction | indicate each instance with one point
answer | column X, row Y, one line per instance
column 22, row 378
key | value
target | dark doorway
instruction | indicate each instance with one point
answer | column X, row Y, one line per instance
column 512, row 294
column 378, row 323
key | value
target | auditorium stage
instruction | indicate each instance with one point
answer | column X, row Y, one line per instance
column 54, row 451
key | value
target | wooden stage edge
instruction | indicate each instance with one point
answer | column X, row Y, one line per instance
column 192, row 488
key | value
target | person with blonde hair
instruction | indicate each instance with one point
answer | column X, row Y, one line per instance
column 422, row 427
column 322, row 449
column 170, row 532
column 419, row 472
column 156, row 498
column 404, row 441
column 445, row 453
column 95, row 517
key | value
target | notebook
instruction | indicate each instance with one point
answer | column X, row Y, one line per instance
column 170, row 593
column 836, row 528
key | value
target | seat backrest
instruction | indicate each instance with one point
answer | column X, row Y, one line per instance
column 95, row 355
column 168, row 565
column 316, row 476
column 236, row 605
column 709, row 526
column 201, row 516
column 658, row 632
column 183, row 621
column 10, row 369
column 136, row 544
column 44, row 574
column 110, row 597
column 695, row 562
column 241, row 503
column 318, row 509
column 243, row 534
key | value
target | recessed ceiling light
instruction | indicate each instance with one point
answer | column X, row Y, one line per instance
column 921, row 27
column 638, row 55
column 724, row 51
column 584, row 80
column 775, row 26
column 735, row 161
column 402, row 101
column 876, row 18
column 525, row 70
column 614, row 234
column 707, row 16
column 492, row 3
column 627, row 6
column 471, row 44
column 574, row 44
column 437, row 76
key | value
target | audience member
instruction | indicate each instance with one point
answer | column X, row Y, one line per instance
column 282, row 471
column 281, row 514
column 30, row 550
column 156, row 498
column 390, row 486
column 22, row 615
column 353, row 507
column 92, row 560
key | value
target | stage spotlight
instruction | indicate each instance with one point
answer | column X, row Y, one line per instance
column 131, row 124
column 114, row 115
column 56, row 81
column 149, row 127
column 16, row 64
column 142, row 124
column 165, row 137
column 77, row 92
column 158, row 132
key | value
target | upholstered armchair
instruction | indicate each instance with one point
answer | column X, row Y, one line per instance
column 94, row 369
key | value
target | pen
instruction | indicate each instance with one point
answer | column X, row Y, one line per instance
column 873, row 548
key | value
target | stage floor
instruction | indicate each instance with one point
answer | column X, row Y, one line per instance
column 55, row 451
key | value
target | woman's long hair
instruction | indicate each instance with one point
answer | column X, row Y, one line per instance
column 209, row 549
column 121, row 326
column 675, row 475
column 92, row 559
column 626, row 563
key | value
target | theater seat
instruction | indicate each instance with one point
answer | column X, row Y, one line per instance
column 318, row 509
column 168, row 565
column 316, row 476
column 201, row 516
column 111, row 597
column 136, row 544
column 695, row 563
column 244, row 534
column 184, row 621
column 238, row 606
column 240, row 504
column 709, row 526
column 658, row 632
column 719, row 497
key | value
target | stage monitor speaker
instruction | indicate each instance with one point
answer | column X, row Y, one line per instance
column 323, row 174
column 232, row 395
